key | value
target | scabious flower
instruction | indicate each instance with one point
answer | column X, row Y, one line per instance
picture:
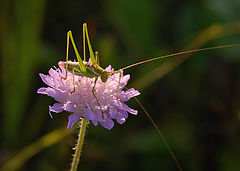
column 82, row 103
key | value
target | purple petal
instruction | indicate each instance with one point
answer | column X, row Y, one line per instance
column 107, row 124
column 95, row 122
column 124, row 81
column 47, row 79
column 44, row 90
column 89, row 115
column 121, row 120
column 54, row 93
column 124, row 113
column 72, row 119
column 70, row 106
column 120, row 115
column 113, row 113
column 125, row 96
column 57, row 94
column 61, row 66
column 123, row 106
column 53, row 73
column 99, row 116
column 57, row 108
column 109, row 69
column 125, row 78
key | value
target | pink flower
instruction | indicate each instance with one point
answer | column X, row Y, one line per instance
column 82, row 103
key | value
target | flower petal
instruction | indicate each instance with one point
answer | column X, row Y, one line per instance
column 44, row 90
column 95, row 122
column 125, row 96
column 121, row 120
column 89, row 115
column 123, row 106
column 113, row 113
column 124, row 81
column 109, row 69
column 107, row 124
column 57, row 108
column 72, row 119
column 47, row 79
column 70, row 106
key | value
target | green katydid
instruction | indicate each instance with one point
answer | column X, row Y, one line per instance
column 87, row 69
column 92, row 69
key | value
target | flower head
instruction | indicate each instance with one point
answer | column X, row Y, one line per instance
column 82, row 103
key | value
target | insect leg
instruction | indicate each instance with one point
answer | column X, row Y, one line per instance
column 67, row 50
column 80, row 61
column 93, row 60
column 120, row 76
column 84, row 45
column 93, row 91
column 73, row 70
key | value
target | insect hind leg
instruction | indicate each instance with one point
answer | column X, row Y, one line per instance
column 85, row 32
column 93, row 92
column 67, row 50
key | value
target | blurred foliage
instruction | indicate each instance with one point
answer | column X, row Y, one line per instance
column 196, row 104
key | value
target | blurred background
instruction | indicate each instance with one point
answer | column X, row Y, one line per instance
column 194, row 98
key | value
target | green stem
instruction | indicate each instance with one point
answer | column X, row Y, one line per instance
column 79, row 144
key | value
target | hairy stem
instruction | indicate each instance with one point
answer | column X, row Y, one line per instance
column 78, row 147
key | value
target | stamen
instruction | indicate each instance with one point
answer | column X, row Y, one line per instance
column 50, row 114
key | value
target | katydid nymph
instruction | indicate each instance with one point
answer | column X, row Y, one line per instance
column 92, row 69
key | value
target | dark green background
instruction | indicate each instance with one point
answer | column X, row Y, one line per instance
column 196, row 104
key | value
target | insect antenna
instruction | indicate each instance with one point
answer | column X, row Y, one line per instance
column 160, row 133
column 157, row 129
column 181, row 53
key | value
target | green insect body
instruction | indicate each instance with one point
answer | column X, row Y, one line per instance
column 93, row 70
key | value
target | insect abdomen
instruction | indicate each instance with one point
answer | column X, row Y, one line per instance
column 93, row 70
